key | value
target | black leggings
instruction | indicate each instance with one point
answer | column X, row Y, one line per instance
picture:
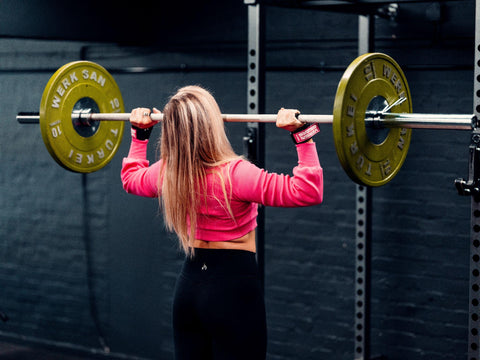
column 218, row 308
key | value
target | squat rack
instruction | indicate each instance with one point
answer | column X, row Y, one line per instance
column 254, row 144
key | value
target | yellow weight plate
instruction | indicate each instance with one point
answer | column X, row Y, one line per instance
column 78, row 86
column 370, row 157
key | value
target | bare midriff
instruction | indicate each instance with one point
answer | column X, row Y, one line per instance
column 246, row 242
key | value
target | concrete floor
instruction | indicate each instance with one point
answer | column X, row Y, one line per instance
column 21, row 352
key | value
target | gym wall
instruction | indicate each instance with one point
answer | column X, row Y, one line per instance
column 88, row 268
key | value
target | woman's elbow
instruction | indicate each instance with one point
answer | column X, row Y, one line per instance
column 311, row 188
column 319, row 198
column 315, row 197
column 127, row 187
column 309, row 195
column 320, row 189
column 127, row 183
column 315, row 194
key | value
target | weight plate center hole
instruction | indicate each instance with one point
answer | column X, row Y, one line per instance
column 377, row 134
column 83, row 107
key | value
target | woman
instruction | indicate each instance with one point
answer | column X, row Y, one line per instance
column 209, row 197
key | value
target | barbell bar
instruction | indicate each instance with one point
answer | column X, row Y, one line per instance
column 82, row 118
column 373, row 119
column 87, row 118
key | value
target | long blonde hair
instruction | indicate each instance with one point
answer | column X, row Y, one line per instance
column 193, row 141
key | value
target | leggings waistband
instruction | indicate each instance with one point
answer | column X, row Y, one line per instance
column 220, row 262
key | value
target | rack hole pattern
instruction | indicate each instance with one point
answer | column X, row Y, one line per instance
column 362, row 273
column 252, row 93
column 474, row 280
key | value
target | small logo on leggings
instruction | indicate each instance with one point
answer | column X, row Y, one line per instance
column 204, row 267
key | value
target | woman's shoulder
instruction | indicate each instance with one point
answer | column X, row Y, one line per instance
column 237, row 162
column 242, row 169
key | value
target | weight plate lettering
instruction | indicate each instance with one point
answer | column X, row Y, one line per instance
column 370, row 157
column 79, row 86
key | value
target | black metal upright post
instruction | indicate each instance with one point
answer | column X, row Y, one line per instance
column 363, row 228
column 474, row 282
column 474, row 312
column 254, row 140
column 471, row 187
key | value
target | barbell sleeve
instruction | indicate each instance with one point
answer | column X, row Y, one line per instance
column 429, row 121
column 28, row 118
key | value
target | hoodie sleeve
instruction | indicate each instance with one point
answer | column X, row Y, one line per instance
column 304, row 188
column 137, row 175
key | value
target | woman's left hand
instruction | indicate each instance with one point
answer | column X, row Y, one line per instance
column 286, row 119
column 140, row 117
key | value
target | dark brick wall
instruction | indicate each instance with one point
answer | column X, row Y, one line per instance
column 80, row 259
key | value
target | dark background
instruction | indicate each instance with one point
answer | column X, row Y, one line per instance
column 86, row 267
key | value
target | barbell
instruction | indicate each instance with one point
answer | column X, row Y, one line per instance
column 82, row 118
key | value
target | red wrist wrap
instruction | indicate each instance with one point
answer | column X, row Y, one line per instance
column 305, row 133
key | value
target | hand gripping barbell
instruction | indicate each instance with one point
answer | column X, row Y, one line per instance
column 82, row 118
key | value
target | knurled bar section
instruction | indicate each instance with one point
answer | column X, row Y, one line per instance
column 474, row 291
column 362, row 272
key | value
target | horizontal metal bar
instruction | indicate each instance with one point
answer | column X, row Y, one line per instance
column 32, row 118
column 272, row 118
column 257, row 118
column 374, row 120
column 28, row 118
column 428, row 121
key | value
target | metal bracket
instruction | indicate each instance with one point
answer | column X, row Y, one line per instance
column 389, row 12
column 472, row 185
column 250, row 145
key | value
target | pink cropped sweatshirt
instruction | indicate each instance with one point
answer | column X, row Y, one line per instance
column 248, row 187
